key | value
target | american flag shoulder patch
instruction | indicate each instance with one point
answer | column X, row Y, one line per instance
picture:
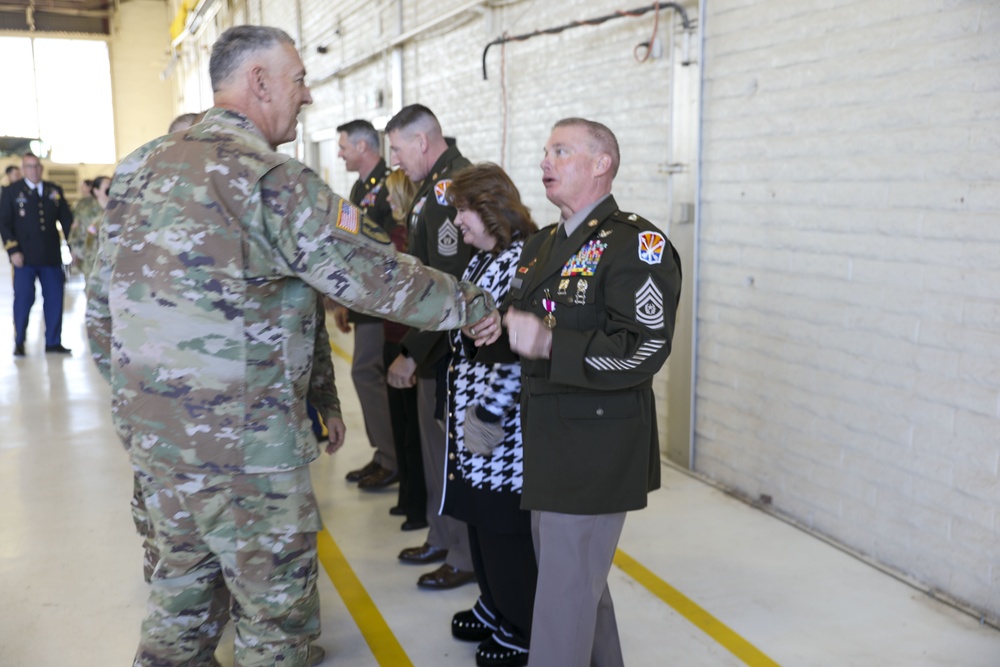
column 347, row 218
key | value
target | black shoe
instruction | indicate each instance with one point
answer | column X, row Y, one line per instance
column 19, row 350
column 425, row 553
column 491, row 653
column 369, row 468
column 445, row 577
column 397, row 510
column 379, row 479
column 317, row 654
column 58, row 349
column 413, row 524
column 466, row 626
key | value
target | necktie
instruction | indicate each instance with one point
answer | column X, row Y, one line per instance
column 560, row 239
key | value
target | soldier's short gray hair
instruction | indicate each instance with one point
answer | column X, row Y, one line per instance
column 415, row 116
column 361, row 130
column 602, row 139
column 236, row 44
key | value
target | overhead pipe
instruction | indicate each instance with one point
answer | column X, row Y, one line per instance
column 399, row 40
column 596, row 21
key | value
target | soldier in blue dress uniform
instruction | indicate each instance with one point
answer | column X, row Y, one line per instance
column 29, row 212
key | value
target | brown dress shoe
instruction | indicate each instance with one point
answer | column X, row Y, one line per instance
column 356, row 475
column 379, row 479
column 445, row 577
column 425, row 553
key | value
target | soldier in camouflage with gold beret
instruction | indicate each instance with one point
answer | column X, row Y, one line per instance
column 202, row 312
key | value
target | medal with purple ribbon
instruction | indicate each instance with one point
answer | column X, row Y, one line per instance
column 550, row 306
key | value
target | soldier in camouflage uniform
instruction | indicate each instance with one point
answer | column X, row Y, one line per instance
column 87, row 216
column 202, row 313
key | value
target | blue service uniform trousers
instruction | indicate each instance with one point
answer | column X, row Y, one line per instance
column 53, row 281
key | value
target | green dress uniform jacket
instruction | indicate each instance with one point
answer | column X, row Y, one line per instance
column 587, row 413
column 372, row 197
column 28, row 222
column 435, row 241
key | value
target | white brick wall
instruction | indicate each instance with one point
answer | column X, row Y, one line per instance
column 849, row 341
column 849, row 361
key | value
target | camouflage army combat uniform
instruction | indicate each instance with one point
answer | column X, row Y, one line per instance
column 82, row 238
column 202, row 313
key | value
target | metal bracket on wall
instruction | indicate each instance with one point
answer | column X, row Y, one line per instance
column 673, row 168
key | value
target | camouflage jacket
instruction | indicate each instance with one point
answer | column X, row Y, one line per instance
column 202, row 306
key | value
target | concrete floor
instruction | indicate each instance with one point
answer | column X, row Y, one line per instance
column 707, row 580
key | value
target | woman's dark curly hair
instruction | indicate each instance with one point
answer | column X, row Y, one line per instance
column 486, row 189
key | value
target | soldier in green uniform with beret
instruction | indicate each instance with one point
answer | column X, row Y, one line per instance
column 591, row 312
column 202, row 312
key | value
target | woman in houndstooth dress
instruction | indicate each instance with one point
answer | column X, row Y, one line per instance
column 484, row 462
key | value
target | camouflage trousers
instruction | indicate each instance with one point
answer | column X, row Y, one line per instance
column 143, row 526
column 237, row 546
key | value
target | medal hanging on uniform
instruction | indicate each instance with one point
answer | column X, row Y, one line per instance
column 550, row 306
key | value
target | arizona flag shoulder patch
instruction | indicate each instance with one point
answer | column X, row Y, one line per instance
column 441, row 191
column 651, row 246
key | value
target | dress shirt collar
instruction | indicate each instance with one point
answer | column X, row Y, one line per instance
column 570, row 225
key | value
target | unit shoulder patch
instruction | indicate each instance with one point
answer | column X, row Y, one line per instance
column 651, row 245
column 441, row 191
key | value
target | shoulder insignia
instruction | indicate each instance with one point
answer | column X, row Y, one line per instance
column 651, row 246
column 633, row 217
column 373, row 231
column 649, row 305
column 441, row 191
column 447, row 239
column 348, row 217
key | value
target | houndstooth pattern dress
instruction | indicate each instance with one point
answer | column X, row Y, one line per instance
column 485, row 488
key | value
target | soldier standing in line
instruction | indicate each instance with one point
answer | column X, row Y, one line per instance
column 30, row 211
column 360, row 150
column 592, row 309
column 418, row 146
column 202, row 313
column 13, row 173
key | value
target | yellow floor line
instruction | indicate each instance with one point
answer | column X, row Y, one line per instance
column 379, row 635
column 686, row 607
column 340, row 352
column 383, row 644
